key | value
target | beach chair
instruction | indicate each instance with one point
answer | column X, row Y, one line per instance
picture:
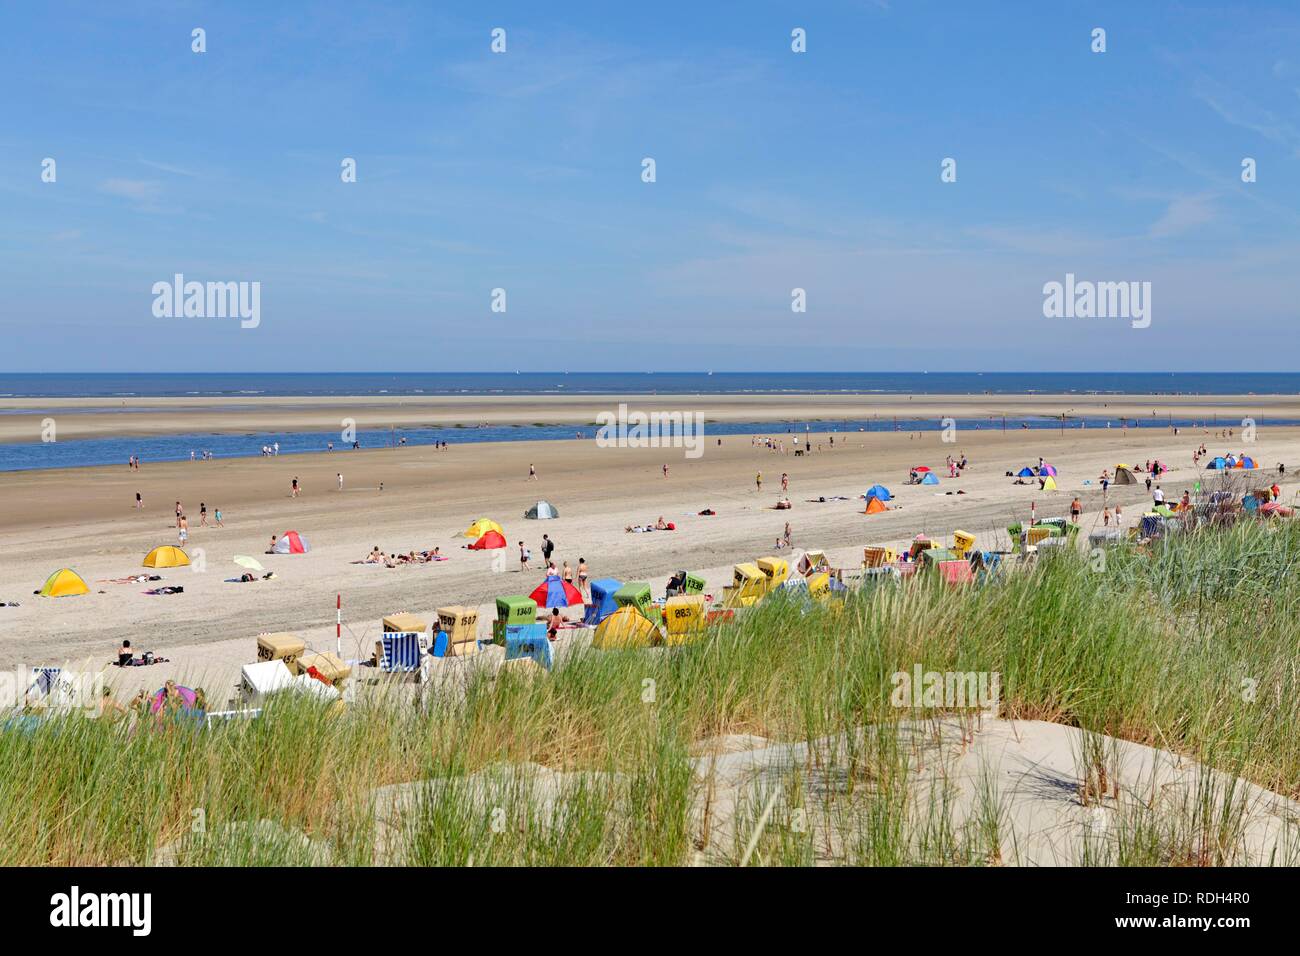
column 956, row 572
column 513, row 610
column 1038, row 534
column 775, row 569
column 401, row 652
column 528, row 641
column 684, row 617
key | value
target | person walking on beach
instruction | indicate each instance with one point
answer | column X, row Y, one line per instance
column 548, row 546
column 582, row 578
column 758, row 481
column 665, row 470
column 532, row 472
column 1105, row 518
column 183, row 533
column 203, row 514
column 785, row 481
column 523, row 557
column 1157, row 496
column 1076, row 509
column 294, row 487
column 1119, row 516
column 216, row 516
column 139, row 502
column 180, row 512
column 340, row 478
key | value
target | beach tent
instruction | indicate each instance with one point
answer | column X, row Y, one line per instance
column 1049, row 484
column 1247, row 462
column 1124, row 475
column 602, row 600
column 626, row 627
column 556, row 592
column 166, row 556
column 1025, row 472
column 64, row 582
column 541, row 511
column 878, row 491
column 490, row 540
column 1047, row 470
column 481, row 527
column 291, row 542
column 929, row 478
column 875, row 506
column 1216, row 463
column 1163, row 510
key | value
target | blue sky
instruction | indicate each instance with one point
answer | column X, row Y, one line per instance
column 775, row 170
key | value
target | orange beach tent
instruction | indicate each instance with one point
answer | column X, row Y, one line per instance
column 875, row 506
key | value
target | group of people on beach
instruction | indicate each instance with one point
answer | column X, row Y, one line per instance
column 377, row 556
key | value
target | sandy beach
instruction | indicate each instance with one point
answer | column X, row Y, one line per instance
column 85, row 519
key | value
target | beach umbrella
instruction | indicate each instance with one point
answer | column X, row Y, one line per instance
column 492, row 539
column 1049, row 470
column 252, row 564
column 921, row 468
column 556, row 592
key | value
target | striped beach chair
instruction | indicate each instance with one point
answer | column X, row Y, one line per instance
column 401, row 652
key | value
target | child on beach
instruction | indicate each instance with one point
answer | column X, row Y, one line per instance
column 216, row 516
column 203, row 514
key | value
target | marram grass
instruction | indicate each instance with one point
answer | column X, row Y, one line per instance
column 1190, row 646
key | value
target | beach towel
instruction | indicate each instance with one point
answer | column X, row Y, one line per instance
column 170, row 589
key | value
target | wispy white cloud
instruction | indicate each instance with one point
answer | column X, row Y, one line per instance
column 141, row 190
column 168, row 168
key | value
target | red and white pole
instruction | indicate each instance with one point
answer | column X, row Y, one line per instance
column 338, row 625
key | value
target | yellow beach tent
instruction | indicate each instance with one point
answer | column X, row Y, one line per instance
column 1049, row 484
column 64, row 582
column 481, row 527
column 166, row 556
column 626, row 627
